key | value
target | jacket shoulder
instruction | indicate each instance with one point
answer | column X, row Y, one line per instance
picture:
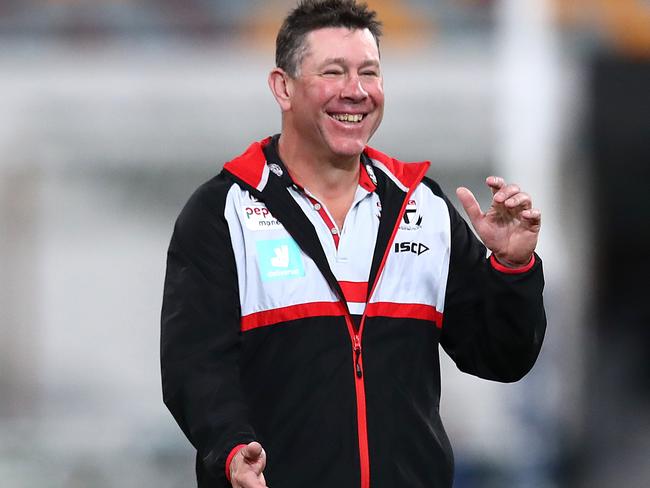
column 207, row 202
column 434, row 187
column 250, row 166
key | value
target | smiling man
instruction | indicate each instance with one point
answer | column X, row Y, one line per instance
column 310, row 284
column 332, row 102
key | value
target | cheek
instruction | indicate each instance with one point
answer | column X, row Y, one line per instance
column 321, row 93
column 376, row 91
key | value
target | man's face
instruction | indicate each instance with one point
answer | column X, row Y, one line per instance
column 338, row 97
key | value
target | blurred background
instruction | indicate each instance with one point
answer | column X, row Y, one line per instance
column 114, row 111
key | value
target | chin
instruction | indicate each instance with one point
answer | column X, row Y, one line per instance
column 347, row 148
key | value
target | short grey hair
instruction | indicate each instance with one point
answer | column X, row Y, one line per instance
column 310, row 15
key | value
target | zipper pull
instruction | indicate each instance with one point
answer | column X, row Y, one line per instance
column 357, row 355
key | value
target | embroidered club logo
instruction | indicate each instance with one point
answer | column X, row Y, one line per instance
column 275, row 169
column 279, row 259
column 412, row 219
column 371, row 174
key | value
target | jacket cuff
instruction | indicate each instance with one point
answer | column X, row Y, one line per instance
column 234, row 451
column 504, row 269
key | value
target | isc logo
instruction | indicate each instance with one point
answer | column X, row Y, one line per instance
column 414, row 247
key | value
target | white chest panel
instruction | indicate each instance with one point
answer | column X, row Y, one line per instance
column 275, row 274
column 272, row 270
column 418, row 262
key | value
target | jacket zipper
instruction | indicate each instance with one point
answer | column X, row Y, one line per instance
column 357, row 356
column 360, row 390
column 355, row 335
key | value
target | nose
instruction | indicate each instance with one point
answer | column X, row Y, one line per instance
column 353, row 89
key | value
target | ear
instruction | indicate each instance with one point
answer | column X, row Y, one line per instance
column 281, row 87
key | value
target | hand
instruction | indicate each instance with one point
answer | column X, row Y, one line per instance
column 246, row 467
column 510, row 227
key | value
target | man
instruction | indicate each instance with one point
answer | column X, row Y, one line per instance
column 309, row 285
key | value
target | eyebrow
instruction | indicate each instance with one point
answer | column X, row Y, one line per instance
column 368, row 62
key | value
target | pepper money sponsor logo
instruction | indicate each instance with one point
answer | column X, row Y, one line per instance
column 279, row 259
column 258, row 217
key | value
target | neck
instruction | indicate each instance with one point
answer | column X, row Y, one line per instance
column 326, row 177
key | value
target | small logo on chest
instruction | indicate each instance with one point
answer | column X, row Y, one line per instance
column 279, row 259
column 412, row 218
column 258, row 217
column 275, row 168
column 413, row 247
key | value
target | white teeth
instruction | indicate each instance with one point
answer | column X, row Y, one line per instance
column 348, row 117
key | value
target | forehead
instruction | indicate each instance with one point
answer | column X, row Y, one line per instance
column 341, row 43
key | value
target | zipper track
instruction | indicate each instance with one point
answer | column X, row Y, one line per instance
column 357, row 351
column 360, row 390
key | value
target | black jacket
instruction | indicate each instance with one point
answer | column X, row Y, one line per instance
column 336, row 400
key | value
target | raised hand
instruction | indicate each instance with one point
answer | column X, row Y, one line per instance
column 247, row 466
column 510, row 227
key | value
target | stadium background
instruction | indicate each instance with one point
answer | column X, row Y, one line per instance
column 113, row 111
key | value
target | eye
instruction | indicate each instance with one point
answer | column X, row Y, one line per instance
column 372, row 73
column 332, row 72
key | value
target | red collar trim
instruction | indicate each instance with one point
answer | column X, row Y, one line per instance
column 251, row 168
column 407, row 174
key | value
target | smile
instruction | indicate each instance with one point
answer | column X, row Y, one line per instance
column 353, row 118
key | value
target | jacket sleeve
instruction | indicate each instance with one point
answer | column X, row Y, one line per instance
column 200, row 332
column 494, row 321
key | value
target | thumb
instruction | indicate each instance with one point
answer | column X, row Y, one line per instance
column 252, row 452
column 470, row 204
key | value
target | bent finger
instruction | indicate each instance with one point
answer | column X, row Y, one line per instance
column 519, row 200
column 248, row 480
column 495, row 183
column 505, row 192
column 533, row 216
